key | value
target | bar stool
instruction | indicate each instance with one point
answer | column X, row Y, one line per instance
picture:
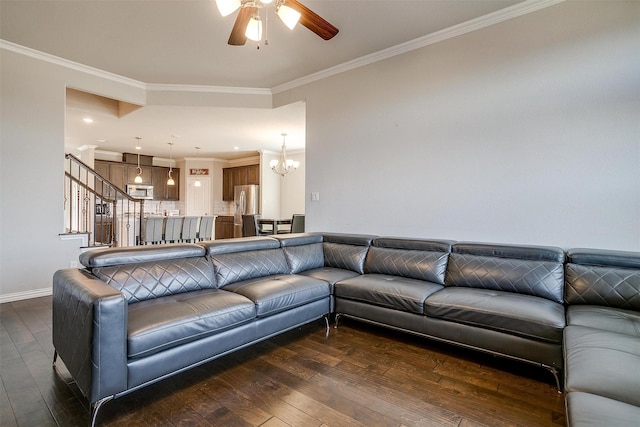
column 189, row 229
column 153, row 228
column 205, row 229
column 173, row 229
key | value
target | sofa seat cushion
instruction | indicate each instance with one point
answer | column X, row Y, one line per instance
column 331, row 275
column 165, row 322
column 274, row 294
column 517, row 314
column 607, row 318
column 395, row 292
column 589, row 410
column 603, row 363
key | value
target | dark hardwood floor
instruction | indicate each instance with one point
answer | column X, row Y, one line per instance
column 359, row 376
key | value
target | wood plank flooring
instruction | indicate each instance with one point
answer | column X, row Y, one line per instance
column 359, row 376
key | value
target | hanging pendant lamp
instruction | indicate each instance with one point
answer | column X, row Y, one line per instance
column 197, row 183
column 170, row 181
column 138, row 178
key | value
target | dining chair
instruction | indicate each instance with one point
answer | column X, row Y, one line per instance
column 250, row 226
column 297, row 223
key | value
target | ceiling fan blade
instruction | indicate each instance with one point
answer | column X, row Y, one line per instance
column 237, row 37
column 313, row 21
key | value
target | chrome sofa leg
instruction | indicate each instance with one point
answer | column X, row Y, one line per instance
column 55, row 357
column 555, row 373
column 326, row 322
column 335, row 324
column 96, row 407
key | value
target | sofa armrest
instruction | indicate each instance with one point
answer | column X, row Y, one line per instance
column 90, row 332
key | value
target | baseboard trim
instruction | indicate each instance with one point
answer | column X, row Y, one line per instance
column 19, row 296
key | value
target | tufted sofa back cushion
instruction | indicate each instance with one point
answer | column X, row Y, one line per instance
column 302, row 250
column 414, row 259
column 530, row 270
column 237, row 266
column 153, row 279
column 346, row 251
column 603, row 277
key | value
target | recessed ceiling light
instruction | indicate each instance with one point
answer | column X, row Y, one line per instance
column 102, row 140
column 236, row 148
column 87, row 120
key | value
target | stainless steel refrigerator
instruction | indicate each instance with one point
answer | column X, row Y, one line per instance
column 246, row 200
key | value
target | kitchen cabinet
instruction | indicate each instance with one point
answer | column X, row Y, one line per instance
column 115, row 172
column 121, row 174
column 132, row 172
column 224, row 227
column 162, row 191
column 241, row 175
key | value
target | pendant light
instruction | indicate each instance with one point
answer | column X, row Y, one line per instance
column 138, row 178
column 170, row 181
column 197, row 183
column 283, row 166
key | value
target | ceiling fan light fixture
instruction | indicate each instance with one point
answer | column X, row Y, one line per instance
column 227, row 7
column 289, row 16
column 254, row 29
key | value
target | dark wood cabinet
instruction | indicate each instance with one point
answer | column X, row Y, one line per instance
column 132, row 172
column 161, row 190
column 115, row 172
column 241, row 175
column 253, row 174
column 224, row 227
column 121, row 174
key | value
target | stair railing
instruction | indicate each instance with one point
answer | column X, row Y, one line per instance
column 95, row 206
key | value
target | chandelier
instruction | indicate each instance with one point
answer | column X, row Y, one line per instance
column 283, row 166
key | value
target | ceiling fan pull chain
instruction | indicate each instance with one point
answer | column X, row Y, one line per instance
column 266, row 27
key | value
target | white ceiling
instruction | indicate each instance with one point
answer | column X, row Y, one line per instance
column 185, row 42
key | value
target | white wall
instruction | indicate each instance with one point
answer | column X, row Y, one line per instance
column 525, row 132
column 32, row 103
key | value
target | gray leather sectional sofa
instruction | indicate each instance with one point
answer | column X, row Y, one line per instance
column 134, row 316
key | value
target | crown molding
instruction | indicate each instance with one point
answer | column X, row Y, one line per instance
column 56, row 60
column 481, row 22
column 153, row 87
column 517, row 10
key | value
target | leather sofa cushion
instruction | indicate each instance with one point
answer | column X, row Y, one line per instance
column 106, row 257
column 530, row 277
column 395, row 292
column 607, row 318
column 154, row 279
column 607, row 286
column 239, row 266
column 330, row 275
column 589, row 410
column 169, row 321
column 517, row 314
column 346, row 257
column 603, row 363
column 413, row 264
column 304, row 257
column 275, row 294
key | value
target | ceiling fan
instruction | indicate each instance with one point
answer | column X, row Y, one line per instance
column 248, row 23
